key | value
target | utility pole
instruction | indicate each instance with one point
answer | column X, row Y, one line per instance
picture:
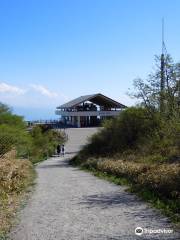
column 162, row 83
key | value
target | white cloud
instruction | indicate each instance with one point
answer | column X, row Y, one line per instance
column 44, row 91
column 7, row 88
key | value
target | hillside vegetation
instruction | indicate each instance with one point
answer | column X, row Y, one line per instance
column 16, row 175
column 141, row 146
column 36, row 145
column 19, row 149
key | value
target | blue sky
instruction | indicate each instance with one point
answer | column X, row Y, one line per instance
column 54, row 50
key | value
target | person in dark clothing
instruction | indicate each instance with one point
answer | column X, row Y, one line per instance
column 58, row 149
column 62, row 150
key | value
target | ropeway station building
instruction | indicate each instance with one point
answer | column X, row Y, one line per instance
column 89, row 110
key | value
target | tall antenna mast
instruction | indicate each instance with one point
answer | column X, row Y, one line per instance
column 163, row 43
column 162, row 82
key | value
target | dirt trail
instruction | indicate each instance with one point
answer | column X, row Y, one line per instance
column 70, row 204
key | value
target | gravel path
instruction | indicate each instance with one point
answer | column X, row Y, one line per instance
column 70, row 204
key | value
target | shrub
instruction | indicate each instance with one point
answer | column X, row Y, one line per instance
column 163, row 179
column 136, row 133
column 121, row 168
column 132, row 128
column 12, row 131
column 36, row 144
column 91, row 163
column 44, row 142
column 15, row 176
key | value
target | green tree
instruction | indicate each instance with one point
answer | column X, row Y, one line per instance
column 12, row 131
column 44, row 142
column 36, row 144
column 149, row 92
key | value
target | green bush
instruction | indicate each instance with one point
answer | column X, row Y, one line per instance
column 13, row 138
column 37, row 144
column 136, row 133
column 44, row 142
column 132, row 128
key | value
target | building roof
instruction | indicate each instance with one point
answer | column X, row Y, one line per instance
column 98, row 99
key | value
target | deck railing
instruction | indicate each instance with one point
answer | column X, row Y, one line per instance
column 88, row 113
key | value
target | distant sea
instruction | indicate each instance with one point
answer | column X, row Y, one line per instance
column 31, row 114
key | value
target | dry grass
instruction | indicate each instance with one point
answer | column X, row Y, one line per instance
column 157, row 183
column 15, row 176
column 161, row 178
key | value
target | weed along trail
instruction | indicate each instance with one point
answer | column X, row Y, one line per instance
column 70, row 204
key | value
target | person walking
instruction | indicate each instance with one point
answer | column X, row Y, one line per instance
column 63, row 150
column 58, row 150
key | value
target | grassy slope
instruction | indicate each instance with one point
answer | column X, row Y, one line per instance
column 16, row 176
